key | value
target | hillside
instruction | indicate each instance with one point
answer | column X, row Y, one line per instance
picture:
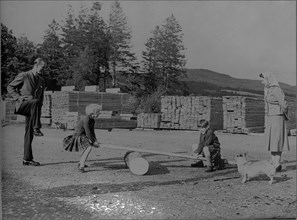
column 207, row 82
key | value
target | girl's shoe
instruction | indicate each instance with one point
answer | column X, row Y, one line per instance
column 81, row 169
column 278, row 168
column 30, row 163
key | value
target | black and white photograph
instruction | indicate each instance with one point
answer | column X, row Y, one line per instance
column 120, row 109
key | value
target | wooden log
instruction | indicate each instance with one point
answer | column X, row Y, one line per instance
column 136, row 163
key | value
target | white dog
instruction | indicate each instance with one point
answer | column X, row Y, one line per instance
column 249, row 169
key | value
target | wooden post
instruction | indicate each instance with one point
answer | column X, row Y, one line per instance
column 136, row 163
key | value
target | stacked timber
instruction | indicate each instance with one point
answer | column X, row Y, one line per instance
column 93, row 88
column 75, row 101
column 184, row 112
column 9, row 110
column 110, row 123
column 107, row 114
column 46, row 110
column 71, row 120
column 127, row 117
column 67, row 88
column 243, row 114
column 148, row 120
column 113, row 90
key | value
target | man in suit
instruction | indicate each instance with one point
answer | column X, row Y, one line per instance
column 28, row 89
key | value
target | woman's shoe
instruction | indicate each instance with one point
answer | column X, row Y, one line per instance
column 30, row 163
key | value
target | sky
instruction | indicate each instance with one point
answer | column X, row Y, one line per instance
column 238, row 38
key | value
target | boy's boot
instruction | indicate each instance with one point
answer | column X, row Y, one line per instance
column 209, row 164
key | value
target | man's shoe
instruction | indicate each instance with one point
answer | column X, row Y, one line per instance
column 30, row 163
column 37, row 132
column 209, row 169
column 198, row 164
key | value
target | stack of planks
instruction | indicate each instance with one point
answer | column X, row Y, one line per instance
column 243, row 114
column 184, row 112
column 71, row 120
column 110, row 123
column 9, row 111
column 46, row 110
column 149, row 120
column 128, row 116
column 107, row 114
column 75, row 101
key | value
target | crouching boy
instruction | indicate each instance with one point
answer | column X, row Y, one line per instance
column 208, row 147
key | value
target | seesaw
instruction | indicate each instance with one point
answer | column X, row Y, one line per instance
column 139, row 165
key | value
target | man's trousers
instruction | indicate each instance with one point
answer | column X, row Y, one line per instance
column 31, row 109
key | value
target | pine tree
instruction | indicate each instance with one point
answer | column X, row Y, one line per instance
column 52, row 52
column 163, row 59
column 121, row 58
column 8, row 48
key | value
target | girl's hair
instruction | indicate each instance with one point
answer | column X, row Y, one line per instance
column 203, row 123
column 93, row 108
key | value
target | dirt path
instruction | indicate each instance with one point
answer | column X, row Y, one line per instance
column 171, row 188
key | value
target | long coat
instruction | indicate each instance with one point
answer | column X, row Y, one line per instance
column 276, row 136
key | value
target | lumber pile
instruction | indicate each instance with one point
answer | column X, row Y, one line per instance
column 71, row 120
column 113, row 90
column 110, row 123
column 9, row 111
column 46, row 110
column 93, row 88
column 243, row 114
column 75, row 101
column 107, row 114
column 184, row 112
column 128, row 116
column 148, row 120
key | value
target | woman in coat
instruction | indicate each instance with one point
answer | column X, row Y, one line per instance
column 276, row 136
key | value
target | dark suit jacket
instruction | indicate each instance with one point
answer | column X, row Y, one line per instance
column 26, row 86
column 208, row 139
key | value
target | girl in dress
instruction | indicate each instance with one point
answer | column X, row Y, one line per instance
column 84, row 138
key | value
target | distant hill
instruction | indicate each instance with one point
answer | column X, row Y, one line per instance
column 207, row 82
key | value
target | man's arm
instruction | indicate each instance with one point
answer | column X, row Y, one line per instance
column 13, row 88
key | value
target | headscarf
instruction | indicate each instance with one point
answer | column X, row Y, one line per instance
column 271, row 80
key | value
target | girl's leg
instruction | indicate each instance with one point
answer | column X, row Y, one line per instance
column 84, row 156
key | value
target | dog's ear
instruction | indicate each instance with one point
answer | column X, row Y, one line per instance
column 245, row 153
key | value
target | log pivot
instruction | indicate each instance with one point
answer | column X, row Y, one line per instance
column 136, row 163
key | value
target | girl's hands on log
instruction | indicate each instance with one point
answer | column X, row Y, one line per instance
column 96, row 144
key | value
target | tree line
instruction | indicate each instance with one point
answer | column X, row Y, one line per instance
column 84, row 49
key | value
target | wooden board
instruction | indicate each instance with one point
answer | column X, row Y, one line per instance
column 150, row 151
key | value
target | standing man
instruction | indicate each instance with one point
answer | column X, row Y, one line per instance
column 27, row 89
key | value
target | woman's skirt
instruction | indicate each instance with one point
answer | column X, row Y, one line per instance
column 276, row 136
column 76, row 143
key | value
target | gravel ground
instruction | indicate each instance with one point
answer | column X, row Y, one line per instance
column 171, row 189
